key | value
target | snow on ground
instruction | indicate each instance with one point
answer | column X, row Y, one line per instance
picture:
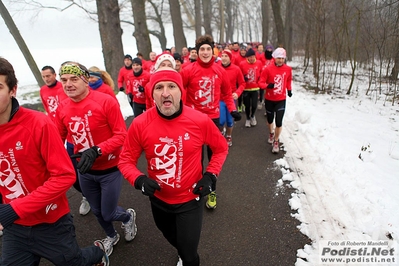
column 343, row 193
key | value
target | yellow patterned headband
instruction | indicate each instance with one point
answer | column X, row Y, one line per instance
column 75, row 70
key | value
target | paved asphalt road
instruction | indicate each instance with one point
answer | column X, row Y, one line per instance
column 251, row 225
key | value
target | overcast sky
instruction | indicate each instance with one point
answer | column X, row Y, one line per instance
column 54, row 37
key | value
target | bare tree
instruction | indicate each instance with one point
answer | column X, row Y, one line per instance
column 279, row 22
column 160, row 34
column 21, row 43
column 198, row 20
column 140, row 27
column 206, row 7
column 222, row 21
column 111, row 36
column 289, row 28
column 178, row 32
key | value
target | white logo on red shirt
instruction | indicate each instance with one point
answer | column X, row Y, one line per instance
column 206, row 92
column 166, row 160
column 52, row 103
column 278, row 83
column 80, row 132
column 10, row 176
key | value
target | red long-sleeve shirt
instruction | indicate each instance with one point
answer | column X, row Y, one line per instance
column 252, row 72
column 236, row 78
column 94, row 121
column 173, row 153
column 51, row 98
column 282, row 79
column 206, row 85
column 35, row 170
column 122, row 76
column 133, row 84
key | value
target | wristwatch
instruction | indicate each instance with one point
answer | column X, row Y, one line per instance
column 99, row 151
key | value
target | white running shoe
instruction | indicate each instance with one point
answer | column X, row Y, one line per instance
column 104, row 259
column 248, row 123
column 271, row 138
column 108, row 243
column 252, row 121
column 84, row 207
column 130, row 227
column 276, row 146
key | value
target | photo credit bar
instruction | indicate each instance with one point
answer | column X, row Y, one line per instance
column 352, row 252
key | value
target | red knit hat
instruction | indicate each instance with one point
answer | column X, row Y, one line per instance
column 166, row 74
column 228, row 52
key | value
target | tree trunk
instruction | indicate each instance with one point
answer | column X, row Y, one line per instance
column 288, row 28
column 159, row 34
column 141, row 33
column 229, row 21
column 190, row 18
column 178, row 33
column 21, row 44
column 279, row 22
column 265, row 22
column 198, row 20
column 222, row 21
column 206, row 8
column 111, row 36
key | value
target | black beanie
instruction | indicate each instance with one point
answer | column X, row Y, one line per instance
column 137, row 61
column 205, row 41
column 177, row 56
column 250, row 52
column 128, row 56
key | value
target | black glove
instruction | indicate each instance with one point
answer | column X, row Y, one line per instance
column 236, row 115
column 289, row 94
column 7, row 215
column 246, row 78
column 121, row 89
column 205, row 185
column 270, row 86
column 146, row 185
column 87, row 158
column 130, row 97
column 141, row 88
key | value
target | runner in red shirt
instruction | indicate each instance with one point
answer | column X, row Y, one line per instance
column 35, row 175
column 95, row 123
column 137, row 81
column 206, row 83
column 276, row 79
column 171, row 135
column 51, row 93
column 124, row 71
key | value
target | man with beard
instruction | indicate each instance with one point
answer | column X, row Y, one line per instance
column 175, row 182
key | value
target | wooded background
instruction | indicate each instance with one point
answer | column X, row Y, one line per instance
column 328, row 35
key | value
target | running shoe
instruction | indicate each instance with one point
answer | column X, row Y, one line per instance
column 130, row 227
column 84, row 207
column 229, row 141
column 271, row 138
column 239, row 109
column 276, row 146
column 211, row 202
column 108, row 243
column 252, row 121
column 248, row 123
column 105, row 259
